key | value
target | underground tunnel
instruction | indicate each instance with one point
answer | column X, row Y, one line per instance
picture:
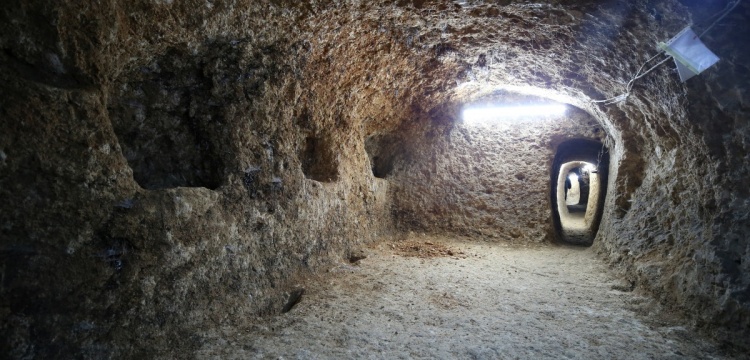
column 578, row 189
column 395, row 179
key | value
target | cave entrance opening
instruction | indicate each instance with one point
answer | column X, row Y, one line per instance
column 578, row 189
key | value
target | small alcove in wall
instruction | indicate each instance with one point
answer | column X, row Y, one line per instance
column 381, row 151
column 319, row 161
column 167, row 134
column 578, row 181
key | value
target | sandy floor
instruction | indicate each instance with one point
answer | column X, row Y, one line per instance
column 574, row 229
column 487, row 301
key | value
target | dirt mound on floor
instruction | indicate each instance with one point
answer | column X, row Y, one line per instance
column 425, row 249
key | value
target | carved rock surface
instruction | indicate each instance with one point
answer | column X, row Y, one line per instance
column 172, row 164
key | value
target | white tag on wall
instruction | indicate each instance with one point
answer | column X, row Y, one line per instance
column 689, row 53
column 684, row 71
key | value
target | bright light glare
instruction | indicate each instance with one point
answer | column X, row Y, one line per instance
column 573, row 177
column 489, row 114
column 589, row 168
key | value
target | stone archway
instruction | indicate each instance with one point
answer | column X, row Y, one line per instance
column 578, row 181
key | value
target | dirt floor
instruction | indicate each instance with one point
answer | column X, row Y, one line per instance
column 574, row 229
column 429, row 297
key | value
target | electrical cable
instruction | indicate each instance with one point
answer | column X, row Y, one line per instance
column 637, row 76
column 728, row 9
column 622, row 97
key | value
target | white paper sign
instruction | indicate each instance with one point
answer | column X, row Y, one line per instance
column 689, row 53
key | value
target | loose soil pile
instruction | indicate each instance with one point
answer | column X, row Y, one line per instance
column 425, row 249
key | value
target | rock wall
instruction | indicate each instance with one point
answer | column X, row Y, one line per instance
column 166, row 165
column 682, row 233
column 487, row 180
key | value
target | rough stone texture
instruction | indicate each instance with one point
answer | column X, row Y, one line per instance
column 96, row 264
column 685, row 235
column 154, row 154
column 489, row 180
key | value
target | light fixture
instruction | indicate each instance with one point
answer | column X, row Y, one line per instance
column 494, row 113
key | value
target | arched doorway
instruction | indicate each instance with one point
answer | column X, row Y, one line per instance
column 578, row 181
